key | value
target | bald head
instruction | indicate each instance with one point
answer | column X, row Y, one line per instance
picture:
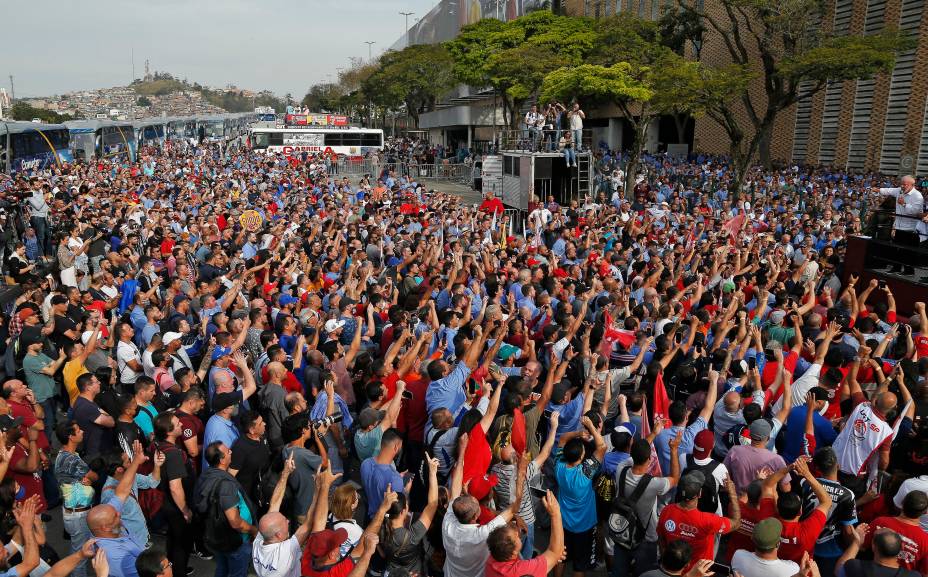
column 274, row 527
column 732, row 401
column 466, row 509
column 885, row 402
column 223, row 380
column 276, row 371
column 103, row 521
column 315, row 358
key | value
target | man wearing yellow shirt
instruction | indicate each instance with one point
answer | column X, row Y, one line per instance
column 77, row 354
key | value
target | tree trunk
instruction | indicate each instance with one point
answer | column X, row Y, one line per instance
column 513, row 113
column 681, row 120
column 640, row 127
column 763, row 147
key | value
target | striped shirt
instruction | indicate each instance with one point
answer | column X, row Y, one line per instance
column 506, row 472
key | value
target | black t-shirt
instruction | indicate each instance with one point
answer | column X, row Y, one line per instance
column 16, row 267
column 249, row 458
column 76, row 313
column 843, row 510
column 176, row 466
column 62, row 325
column 128, row 433
column 859, row 568
column 96, row 438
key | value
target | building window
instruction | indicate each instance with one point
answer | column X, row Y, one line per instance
column 641, row 8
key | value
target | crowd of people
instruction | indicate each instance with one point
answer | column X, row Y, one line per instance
column 297, row 374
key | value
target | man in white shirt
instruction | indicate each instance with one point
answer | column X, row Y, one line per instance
column 465, row 540
column 532, row 118
column 919, row 483
column 763, row 562
column 909, row 208
column 576, row 125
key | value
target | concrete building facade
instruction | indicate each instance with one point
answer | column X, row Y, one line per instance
column 871, row 124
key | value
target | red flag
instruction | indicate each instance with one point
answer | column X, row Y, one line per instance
column 733, row 227
column 655, row 469
column 661, row 400
column 613, row 335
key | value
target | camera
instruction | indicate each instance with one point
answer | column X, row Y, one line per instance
column 327, row 421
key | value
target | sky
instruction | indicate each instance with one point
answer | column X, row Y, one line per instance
column 278, row 45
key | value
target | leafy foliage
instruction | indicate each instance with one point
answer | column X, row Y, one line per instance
column 780, row 44
column 25, row 111
column 514, row 57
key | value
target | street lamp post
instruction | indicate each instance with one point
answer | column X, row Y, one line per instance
column 407, row 15
column 369, row 44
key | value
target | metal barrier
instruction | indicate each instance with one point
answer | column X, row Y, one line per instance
column 459, row 172
column 358, row 166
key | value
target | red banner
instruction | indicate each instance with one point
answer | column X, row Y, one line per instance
column 315, row 120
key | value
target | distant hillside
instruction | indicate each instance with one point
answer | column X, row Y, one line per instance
column 161, row 87
column 163, row 84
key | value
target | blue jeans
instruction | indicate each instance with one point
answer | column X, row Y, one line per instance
column 570, row 155
column 76, row 526
column 49, row 406
column 234, row 564
column 528, row 542
column 578, row 138
column 42, row 234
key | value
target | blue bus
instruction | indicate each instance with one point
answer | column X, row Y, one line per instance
column 150, row 130
column 102, row 139
column 30, row 146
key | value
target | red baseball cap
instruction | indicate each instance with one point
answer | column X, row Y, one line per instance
column 702, row 445
column 323, row 542
column 269, row 287
column 560, row 273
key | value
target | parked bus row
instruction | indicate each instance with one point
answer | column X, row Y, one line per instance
column 30, row 146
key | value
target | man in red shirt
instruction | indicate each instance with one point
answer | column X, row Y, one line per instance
column 504, row 545
column 491, row 204
column 684, row 522
column 192, row 427
column 759, row 503
column 914, row 553
column 799, row 537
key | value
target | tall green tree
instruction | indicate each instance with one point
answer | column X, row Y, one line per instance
column 642, row 92
column 415, row 77
column 514, row 57
column 781, row 43
column 323, row 97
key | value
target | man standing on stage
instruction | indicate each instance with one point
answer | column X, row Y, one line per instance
column 909, row 208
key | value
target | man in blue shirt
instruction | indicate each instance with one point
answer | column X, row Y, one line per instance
column 379, row 474
column 679, row 415
column 569, row 410
column 220, row 427
column 574, row 472
column 121, row 549
column 825, row 434
column 447, row 387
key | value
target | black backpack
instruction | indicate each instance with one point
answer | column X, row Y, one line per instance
column 625, row 527
column 709, row 498
column 219, row 536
